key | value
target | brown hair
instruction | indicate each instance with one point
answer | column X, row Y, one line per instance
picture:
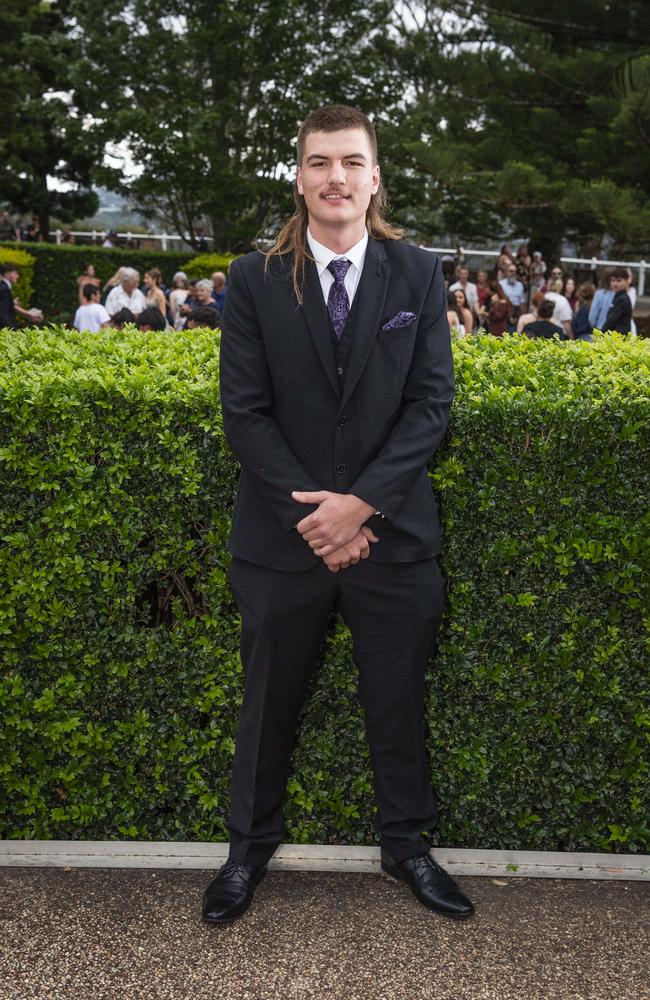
column 537, row 299
column 292, row 238
column 586, row 291
column 156, row 275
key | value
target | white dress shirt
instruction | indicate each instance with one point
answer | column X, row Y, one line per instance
column 118, row 299
column 323, row 255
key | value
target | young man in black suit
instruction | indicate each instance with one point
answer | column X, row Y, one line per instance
column 336, row 384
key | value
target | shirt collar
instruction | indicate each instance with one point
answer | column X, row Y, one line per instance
column 323, row 255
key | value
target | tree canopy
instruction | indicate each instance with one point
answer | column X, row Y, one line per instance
column 496, row 118
column 44, row 133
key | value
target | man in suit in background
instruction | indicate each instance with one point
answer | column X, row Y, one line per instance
column 10, row 306
column 336, row 384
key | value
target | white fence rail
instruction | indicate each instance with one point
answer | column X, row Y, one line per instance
column 166, row 238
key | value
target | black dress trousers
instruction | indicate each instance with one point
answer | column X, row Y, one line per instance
column 393, row 611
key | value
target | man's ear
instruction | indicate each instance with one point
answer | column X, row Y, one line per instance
column 299, row 181
column 376, row 177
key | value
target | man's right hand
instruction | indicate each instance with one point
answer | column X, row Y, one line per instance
column 350, row 553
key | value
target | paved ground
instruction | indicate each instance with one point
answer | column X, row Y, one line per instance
column 90, row 934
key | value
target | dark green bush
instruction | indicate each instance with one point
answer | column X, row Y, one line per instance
column 57, row 268
column 121, row 682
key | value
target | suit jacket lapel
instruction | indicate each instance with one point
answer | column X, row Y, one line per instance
column 371, row 295
column 315, row 313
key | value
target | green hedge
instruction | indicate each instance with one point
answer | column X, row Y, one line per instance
column 57, row 268
column 206, row 264
column 121, row 682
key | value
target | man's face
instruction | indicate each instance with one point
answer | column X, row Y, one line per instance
column 463, row 275
column 129, row 285
column 337, row 177
column 203, row 295
column 12, row 276
column 556, row 273
column 511, row 272
column 619, row 284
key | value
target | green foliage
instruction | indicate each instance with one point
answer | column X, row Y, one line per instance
column 56, row 269
column 121, row 681
column 206, row 264
column 25, row 264
column 514, row 113
column 46, row 131
column 232, row 81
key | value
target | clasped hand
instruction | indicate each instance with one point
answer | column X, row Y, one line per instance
column 336, row 530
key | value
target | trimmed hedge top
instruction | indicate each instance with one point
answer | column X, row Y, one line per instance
column 121, row 679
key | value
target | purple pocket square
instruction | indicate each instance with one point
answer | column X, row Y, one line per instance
column 400, row 319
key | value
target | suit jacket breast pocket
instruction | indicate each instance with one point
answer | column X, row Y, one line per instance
column 400, row 333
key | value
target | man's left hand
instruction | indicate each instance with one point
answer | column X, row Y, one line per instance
column 336, row 522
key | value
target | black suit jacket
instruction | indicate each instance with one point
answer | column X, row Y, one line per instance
column 619, row 315
column 294, row 425
column 7, row 309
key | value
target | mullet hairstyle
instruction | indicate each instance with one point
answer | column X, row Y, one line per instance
column 292, row 238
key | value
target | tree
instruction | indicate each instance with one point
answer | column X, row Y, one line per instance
column 45, row 134
column 525, row 120
column 207, row 96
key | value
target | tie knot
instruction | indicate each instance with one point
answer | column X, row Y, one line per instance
column 339, row 268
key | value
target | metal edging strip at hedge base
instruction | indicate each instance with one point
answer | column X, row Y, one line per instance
column 318, row 857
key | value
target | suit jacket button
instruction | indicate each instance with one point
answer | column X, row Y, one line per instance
column 341, row 421
column 340, row 469
column 339, row 370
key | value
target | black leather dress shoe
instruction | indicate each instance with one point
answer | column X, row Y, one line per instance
column 230, row 892
column 430, row 884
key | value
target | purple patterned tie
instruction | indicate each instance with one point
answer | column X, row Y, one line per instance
column 338, row 304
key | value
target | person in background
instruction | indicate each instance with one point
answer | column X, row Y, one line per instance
column 468, row 287
column 201, row 242
column 555, row 275
column 204, row 294
column 219, row 289
column 631, row 291
column 619, row 316
column 582, row 328
column 523, row 263
column 177, row 296
column 151, row 318
column 505, row 259
column 203, row 317
column 91, row 315
column 483, row 294
column 34, row 234
column 7, row 229
column 533, row 315
column 110, row 239
column 501, row 313
column 513, row 287
column 544, row 327
column 192, row 300
column 114, row 280
column 88, row 276
column 126, row 294
column 68, row 238
column 122, row 318
column 570, row 293
column 154, row 295
column 9, row 306
column 537, row 273
column 563, row 314
column 602, row 301
column 466, row 312
column 455, row 315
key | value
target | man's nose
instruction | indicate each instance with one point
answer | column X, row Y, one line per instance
column 337, row 173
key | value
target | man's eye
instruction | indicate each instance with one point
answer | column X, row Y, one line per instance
column 355, row 163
